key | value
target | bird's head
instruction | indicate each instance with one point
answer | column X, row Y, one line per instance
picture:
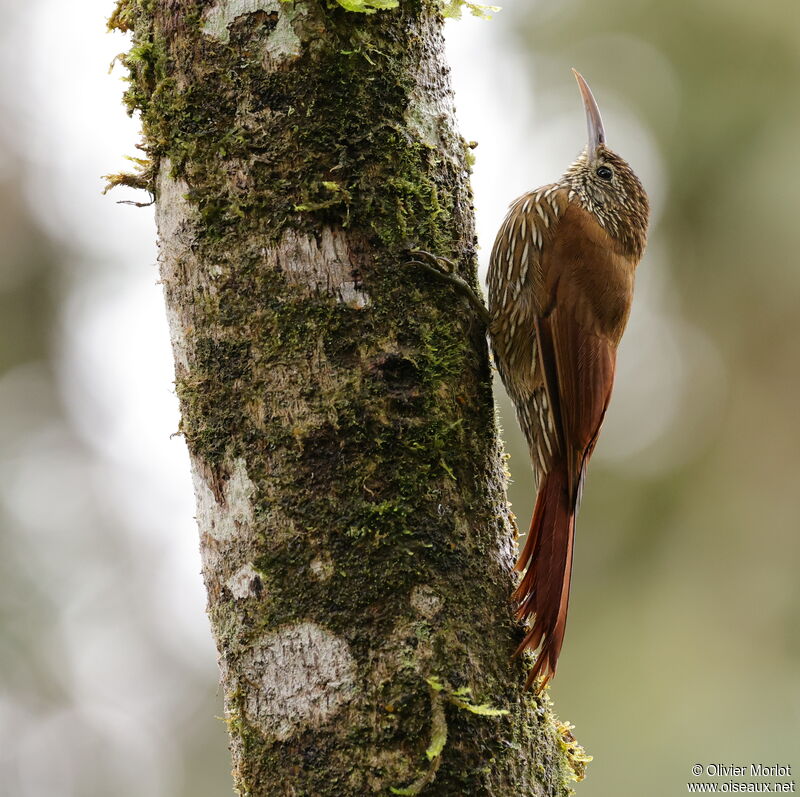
column 604, row 184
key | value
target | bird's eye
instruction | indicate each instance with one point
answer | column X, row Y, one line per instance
column 604, row 173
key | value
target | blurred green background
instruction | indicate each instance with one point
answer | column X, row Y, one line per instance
column 684, row 637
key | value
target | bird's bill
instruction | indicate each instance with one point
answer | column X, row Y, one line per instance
column 594, row 122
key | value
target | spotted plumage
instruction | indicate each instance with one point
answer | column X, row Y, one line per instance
column 560, row 289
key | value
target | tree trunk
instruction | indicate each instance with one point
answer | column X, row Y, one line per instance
column 337, row 406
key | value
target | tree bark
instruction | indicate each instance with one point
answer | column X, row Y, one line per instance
column 337, row 406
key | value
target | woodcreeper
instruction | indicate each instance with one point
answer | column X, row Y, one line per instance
column 560, row 283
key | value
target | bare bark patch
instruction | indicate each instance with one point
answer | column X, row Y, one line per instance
column 319, row 264
column 430, row 115
column 223, row 519
column 282, row 43
column 304, row 674
column 321, row 567
column 245, row 583
column 425, row 601
column 175, row 218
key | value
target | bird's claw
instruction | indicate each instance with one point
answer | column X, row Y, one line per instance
column 445, row 269
column 428, row 259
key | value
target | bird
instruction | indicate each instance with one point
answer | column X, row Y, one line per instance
column 561, row 276
column 560, row 280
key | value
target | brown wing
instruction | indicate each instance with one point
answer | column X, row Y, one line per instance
column 579, row 368
column 589, row 287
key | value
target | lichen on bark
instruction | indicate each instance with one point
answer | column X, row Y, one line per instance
column 337, row 408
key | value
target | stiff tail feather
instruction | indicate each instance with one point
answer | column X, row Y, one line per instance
column 543, row 592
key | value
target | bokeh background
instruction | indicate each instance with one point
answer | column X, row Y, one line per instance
column 684, row 637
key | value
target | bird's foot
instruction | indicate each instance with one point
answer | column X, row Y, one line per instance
column 440, row 265
column 445, row 270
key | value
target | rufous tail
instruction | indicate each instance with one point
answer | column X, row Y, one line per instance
column 543, row 592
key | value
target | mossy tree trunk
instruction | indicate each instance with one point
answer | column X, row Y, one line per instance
column 337, row 406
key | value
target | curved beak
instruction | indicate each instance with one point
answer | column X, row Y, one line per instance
column 594, row 123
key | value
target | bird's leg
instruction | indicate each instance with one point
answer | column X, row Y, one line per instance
column 445, row 270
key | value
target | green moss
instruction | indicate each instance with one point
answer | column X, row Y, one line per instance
column 127, row 12
column 207, row 424
column 367, row 6
column 576, row 756
column 141, row 180
column 449, row 8
column 122, row 18
column 200, row 129
column 454, row 8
